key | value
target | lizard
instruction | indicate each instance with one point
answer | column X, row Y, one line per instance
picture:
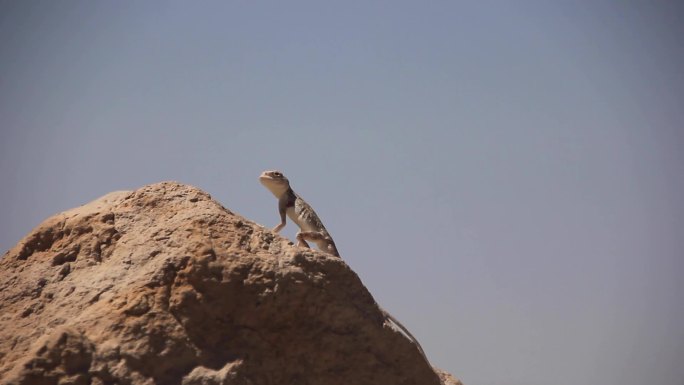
column 292, row 205
column 311, row 229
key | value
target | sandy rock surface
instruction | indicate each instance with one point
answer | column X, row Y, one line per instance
column 163, row 285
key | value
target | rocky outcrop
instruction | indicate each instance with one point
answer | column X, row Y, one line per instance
column 163, row 285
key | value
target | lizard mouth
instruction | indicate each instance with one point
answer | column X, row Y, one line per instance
column 272, row 175
column 268, row 178
column 265, row 178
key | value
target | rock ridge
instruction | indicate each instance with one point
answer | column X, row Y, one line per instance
column 164, row 285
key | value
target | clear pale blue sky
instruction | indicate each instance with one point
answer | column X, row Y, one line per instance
column 505, row 177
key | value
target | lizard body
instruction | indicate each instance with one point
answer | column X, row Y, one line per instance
column 311, row 229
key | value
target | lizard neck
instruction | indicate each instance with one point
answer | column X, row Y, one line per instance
column 278, row 190
column 289, row 197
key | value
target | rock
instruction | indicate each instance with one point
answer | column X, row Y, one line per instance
column 163, row 285
column 447, row 378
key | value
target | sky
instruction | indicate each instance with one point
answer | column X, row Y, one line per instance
column 505, row 177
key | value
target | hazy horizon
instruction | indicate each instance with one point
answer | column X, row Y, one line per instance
column 506, row 178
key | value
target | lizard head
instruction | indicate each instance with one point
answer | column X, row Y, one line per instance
column 275, row 181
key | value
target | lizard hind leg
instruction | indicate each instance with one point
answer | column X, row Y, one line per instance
column 301, row 242
column 322, row 240
column 311, row 236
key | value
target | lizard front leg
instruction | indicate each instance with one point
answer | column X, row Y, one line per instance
column 283, row 220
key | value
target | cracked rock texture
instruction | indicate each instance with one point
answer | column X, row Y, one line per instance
column 163, row 285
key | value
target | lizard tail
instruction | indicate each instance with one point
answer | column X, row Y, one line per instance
column 405, row 331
